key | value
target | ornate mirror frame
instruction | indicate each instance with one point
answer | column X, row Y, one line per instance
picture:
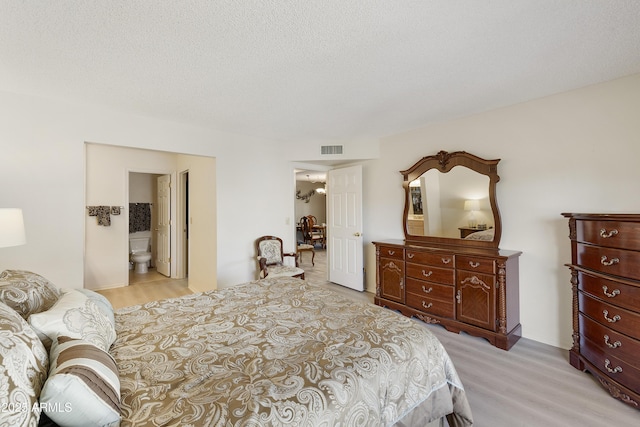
column 444, row 162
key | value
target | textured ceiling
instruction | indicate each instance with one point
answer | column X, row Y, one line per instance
column 329, row 70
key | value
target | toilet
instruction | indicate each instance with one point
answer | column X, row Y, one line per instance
column 140, row 255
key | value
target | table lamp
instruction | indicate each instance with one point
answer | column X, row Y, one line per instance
column 472, row 206
column 11, row 227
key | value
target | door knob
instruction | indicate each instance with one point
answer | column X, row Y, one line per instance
column 357, row 234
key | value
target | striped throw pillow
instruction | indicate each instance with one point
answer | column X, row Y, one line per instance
column 83, row 387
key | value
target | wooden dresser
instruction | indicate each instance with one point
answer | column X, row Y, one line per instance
column 605, row 278
column 464, row 289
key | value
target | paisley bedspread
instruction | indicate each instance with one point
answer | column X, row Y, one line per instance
column 280, row 352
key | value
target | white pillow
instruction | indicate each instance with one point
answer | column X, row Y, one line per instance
column 75, row 315
column 83, row 388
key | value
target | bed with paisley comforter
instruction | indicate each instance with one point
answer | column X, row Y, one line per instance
column 274, row 352
column 280, row 352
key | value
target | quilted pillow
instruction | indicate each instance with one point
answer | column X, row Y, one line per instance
column 76, row 315
column 23, row 369
column 83, row 388
column 27, row 292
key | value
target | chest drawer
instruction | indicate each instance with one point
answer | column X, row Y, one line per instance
column 431, row 290
column 432, row 274
column 391, row 252
column 610, row 341
column 618, row 262
column 435, row 259
column 613, row 234
column 619, row 370
column 479, row 264
column 431, row 305
column 618, row 319
column 613, row 292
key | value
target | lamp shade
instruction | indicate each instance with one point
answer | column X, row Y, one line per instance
column 471, row 205
column 11, row 227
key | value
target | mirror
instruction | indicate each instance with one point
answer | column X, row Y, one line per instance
column 450, row 199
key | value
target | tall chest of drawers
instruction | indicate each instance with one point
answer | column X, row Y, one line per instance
column 605, row 279
column 475, row 291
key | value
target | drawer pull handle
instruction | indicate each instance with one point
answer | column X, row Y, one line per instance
column 410, row 256
column 391, row 252
column 458, row 297
column 614, row 345
column 427, row 305
column 446, row 260
column 612, row 293
column 425, row 274
column 474, row 264
column 612, row 261
column 607, row 364
column 427, row 291
column 605, row 235
column 609, row 319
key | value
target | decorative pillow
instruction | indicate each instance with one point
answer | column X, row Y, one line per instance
column 23, row 369
column 77, row 316
column 27, row 292
column 83, row 388
column 101, row 301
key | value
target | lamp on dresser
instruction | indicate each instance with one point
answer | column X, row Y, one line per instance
column 11, row 227
column 472, row 206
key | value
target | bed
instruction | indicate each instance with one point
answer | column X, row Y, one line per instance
column 274, row 352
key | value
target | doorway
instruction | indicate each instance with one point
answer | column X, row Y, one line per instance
column 150, row 210
column 310, row 199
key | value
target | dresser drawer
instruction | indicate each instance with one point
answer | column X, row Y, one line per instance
column 613, row 292
column 471, row 263
column 391, row 252
column 613, row 234
column 435, row 259
column 432, row 274
column 622, row 372
column 618, row 262
column 618, row 319
column 610, row 341
column 431, row 290
column 430, row 305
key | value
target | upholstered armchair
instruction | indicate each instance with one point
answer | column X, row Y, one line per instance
column 271, row 259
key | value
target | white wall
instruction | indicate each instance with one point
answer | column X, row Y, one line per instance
column 317, row 205
column 42, row 143
column 573, row 152
column 576, row 151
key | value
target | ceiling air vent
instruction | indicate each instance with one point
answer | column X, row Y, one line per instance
column 331, row 149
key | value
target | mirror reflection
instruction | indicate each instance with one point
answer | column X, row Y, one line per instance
column 453, row 205
column 450, row 198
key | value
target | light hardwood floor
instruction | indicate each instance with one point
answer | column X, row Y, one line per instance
column 531, row 385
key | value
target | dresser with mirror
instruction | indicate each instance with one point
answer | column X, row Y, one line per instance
column 448, row 270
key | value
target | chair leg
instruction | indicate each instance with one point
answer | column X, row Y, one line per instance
column 313, row 255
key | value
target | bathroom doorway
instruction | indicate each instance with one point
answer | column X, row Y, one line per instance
column 106, row 259
column 150, row 211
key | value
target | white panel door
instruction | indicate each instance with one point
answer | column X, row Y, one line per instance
column 163, row 232
column 345, row 251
